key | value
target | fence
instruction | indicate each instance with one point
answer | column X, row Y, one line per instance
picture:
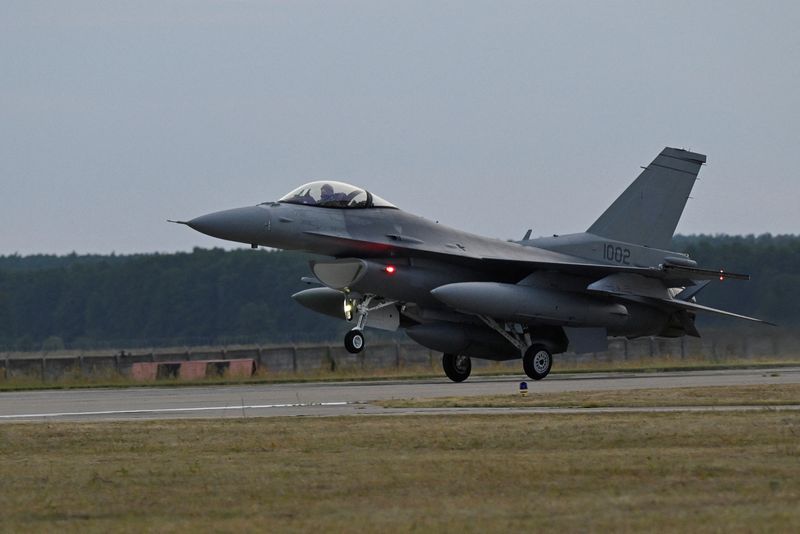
column 305, row 359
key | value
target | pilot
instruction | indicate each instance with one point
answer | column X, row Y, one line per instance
column 330, row 198
column 327, row 193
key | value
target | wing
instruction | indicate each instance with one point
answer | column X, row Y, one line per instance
column 672, row 275
column 501, row 255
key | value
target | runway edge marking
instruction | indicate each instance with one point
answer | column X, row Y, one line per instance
column 176, row 410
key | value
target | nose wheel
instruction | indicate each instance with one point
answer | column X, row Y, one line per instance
column 354, row 341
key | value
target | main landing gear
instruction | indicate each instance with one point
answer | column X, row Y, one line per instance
column 354, row 340
column 537, row 361
column 536, row 357
column 456, row 366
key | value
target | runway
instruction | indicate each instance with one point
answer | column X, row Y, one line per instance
column 348, row 398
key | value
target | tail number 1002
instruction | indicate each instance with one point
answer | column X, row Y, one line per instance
column 618, row 254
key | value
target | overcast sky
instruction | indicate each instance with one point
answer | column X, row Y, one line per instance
column 488, row 116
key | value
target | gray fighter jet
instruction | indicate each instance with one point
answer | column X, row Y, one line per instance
column 469, row 296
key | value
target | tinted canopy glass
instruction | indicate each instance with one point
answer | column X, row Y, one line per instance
column 331, row 194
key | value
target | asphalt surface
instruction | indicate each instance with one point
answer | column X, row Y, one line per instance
column 351, row 398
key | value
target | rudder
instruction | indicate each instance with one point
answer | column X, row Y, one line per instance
column 648, row 211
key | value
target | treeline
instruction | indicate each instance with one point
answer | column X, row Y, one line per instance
column 773, row 262
column 243, row 296
column 203, row 297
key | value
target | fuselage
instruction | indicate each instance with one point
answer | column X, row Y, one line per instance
column 428, row 254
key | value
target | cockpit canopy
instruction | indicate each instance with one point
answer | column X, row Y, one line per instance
column 330, row 194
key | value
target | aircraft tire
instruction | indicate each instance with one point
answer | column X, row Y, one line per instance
column 457, row 367
column 537, row 361
column 354, row 341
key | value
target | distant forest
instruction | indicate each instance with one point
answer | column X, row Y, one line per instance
column 243, row 296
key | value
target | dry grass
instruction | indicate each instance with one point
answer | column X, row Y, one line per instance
column 671, row 363
column 76, row 380
column 756, row 395
column 633, row 472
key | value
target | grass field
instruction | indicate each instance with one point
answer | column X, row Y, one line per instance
column 708, row 472
column 755, row 395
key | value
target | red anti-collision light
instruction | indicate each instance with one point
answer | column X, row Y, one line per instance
column 389, row 269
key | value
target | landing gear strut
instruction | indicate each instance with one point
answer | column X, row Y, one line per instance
column 354, row 340
column 537, row 361
column 536, row 358
column 456, row 366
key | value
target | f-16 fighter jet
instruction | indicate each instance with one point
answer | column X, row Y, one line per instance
column 469, row 296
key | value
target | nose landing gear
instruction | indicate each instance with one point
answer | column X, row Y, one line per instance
column 354, row 340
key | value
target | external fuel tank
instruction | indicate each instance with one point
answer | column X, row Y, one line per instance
column 523, row 304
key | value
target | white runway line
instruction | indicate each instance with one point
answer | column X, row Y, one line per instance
column 175, row 410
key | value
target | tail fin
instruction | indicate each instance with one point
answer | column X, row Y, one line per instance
column 647, row 212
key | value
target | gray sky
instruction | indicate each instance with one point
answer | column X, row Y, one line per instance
column 488, row 116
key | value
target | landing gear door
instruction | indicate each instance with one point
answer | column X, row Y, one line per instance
column 386, row 318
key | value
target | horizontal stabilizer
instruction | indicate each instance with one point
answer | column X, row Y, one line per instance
column 693, row 306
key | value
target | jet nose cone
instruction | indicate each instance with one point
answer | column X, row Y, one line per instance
column 246, row 225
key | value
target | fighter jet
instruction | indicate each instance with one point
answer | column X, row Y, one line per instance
column 468, row 296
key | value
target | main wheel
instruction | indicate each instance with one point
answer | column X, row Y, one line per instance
column 456, row 366
column 354, row 341
column 537, row 361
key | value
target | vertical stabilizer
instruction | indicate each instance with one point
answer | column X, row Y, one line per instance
column 648, row 212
